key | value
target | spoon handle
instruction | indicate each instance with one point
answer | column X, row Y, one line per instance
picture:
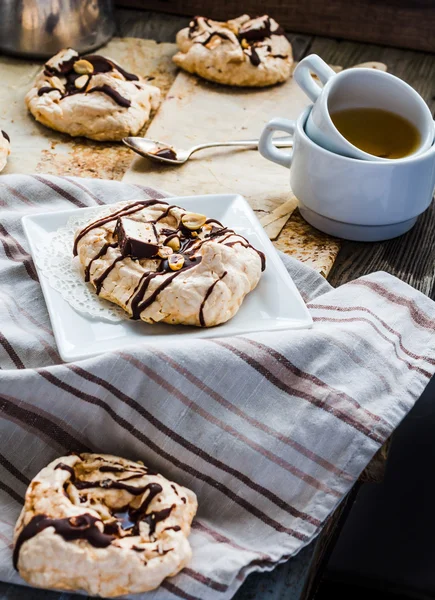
column 280, row 142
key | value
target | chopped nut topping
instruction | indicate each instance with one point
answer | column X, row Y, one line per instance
column 232, row 26
column 83, row 67
column 81, row 81
column 165, row 252
column 174, row 243
column 193, row 220
column 214, row 42
column 176, row 262
column 117, row 75
column 56, row 83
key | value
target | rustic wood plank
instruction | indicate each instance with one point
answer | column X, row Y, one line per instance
column 325, row 544
column 161, row 27
column 285, row 582
column 410, row 257
column 403, row 23
column 148, row 25
column 9, row 591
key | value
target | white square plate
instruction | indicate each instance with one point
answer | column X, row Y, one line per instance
column 274, row 304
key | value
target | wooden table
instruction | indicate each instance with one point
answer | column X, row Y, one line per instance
column 410, row 257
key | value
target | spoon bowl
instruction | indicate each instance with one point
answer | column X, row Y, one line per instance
column 148, row 148
column 164, row 153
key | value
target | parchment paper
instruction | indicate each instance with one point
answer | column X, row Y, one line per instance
column 196, row 111
column 37, row 149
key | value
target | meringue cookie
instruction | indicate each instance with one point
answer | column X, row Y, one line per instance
column 242, row 51
column 188, row 270
column 5, row 148
column 102, row 524
column 90, row 96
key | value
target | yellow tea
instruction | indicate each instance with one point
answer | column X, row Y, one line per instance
column 378, row 132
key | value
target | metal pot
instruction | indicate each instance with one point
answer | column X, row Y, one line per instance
column 40, row 28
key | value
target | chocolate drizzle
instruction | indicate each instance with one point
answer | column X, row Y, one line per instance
column 109, row 91
column 126, row 210
column 165, row 213
column 213, row 221
column 166, row 153
column 100, row 64
column 65, row 467
column 169, row 238
column 190, row 244
column 63, row 68
column 47, row 89
column 127, row 519
column 249, row 36
column 138, row 304
column 173, row 528
column 5, row 135
column 82, row 527
column 139, row 514
column 109, row 484
column 98, row 281
column 207, row 294
column 113, row 469
column 155, row 517
column 259, row 34
column 104, row 483
column 253, row 57
column 212, row 34
column 99, row 254
column 248, row 245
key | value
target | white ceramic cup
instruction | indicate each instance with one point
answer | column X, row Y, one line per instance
column 349, row 198
column 358, row 88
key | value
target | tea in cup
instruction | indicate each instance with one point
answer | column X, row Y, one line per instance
column 364, row 113
column 362, row 200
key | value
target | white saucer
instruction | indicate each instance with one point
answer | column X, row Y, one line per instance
column 355, row 233
column 274, row 304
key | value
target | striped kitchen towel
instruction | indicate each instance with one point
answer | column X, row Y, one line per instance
column 270, row 430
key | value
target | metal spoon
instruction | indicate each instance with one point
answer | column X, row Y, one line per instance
column 152, row 148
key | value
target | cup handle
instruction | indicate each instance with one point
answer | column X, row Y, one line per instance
column 433, row 183
column 302, row 75
column 267, row 148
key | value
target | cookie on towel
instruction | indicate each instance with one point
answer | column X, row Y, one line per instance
column 91, row 96
column 161, row 263
column 102, row 524
column 5, row 148
column 242, row 51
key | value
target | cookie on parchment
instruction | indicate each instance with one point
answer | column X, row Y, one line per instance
column 5, row 148
column 91, row 96
column 242, row 52
column 163, row 264
column 102, row 524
